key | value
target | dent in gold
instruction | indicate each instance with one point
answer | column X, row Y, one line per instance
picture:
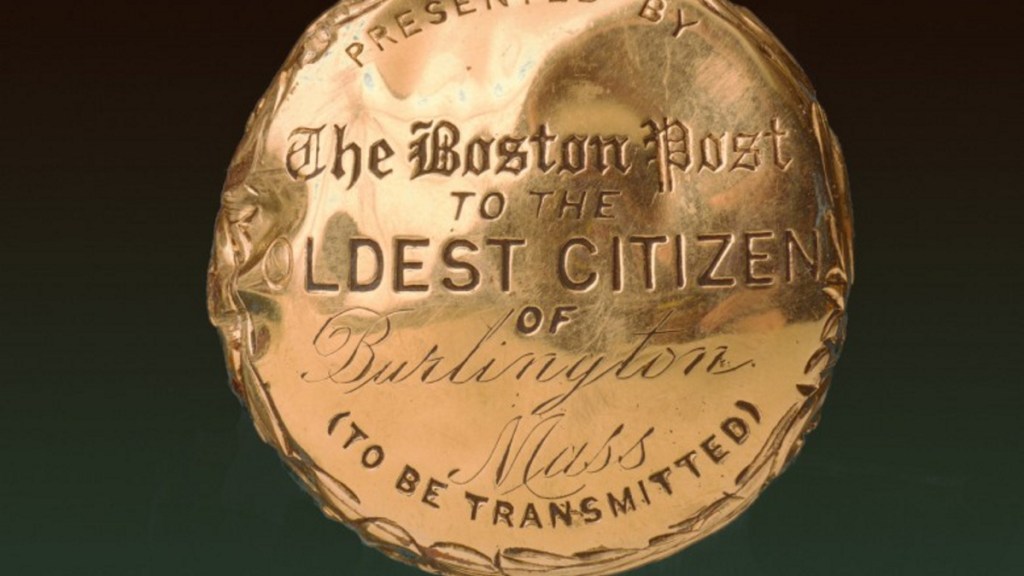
column 549, row 286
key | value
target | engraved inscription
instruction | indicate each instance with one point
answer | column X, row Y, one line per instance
column 358, row 346
column 645, row 262
column 654, row 11
column 677, row 151
column 655, row 487
column 439, row 148
column 524, row 278
column 528, row 453
column 399, row 25
column 526, row 458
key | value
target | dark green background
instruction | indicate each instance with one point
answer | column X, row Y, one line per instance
column 124, row 452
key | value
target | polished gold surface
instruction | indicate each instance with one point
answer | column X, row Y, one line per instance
column 519, row 287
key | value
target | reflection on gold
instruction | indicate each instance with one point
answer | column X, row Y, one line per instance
column 519, row 287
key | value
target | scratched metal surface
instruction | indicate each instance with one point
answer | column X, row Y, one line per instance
column 552, row 287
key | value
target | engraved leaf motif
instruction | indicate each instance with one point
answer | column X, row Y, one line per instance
column 234, row 249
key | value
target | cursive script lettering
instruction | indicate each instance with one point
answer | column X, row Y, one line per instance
column 530, row 451
column 355, row 339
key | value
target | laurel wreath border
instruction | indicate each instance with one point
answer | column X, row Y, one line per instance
column 233, row 254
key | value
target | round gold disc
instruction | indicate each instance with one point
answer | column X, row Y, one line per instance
column 521, row 287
